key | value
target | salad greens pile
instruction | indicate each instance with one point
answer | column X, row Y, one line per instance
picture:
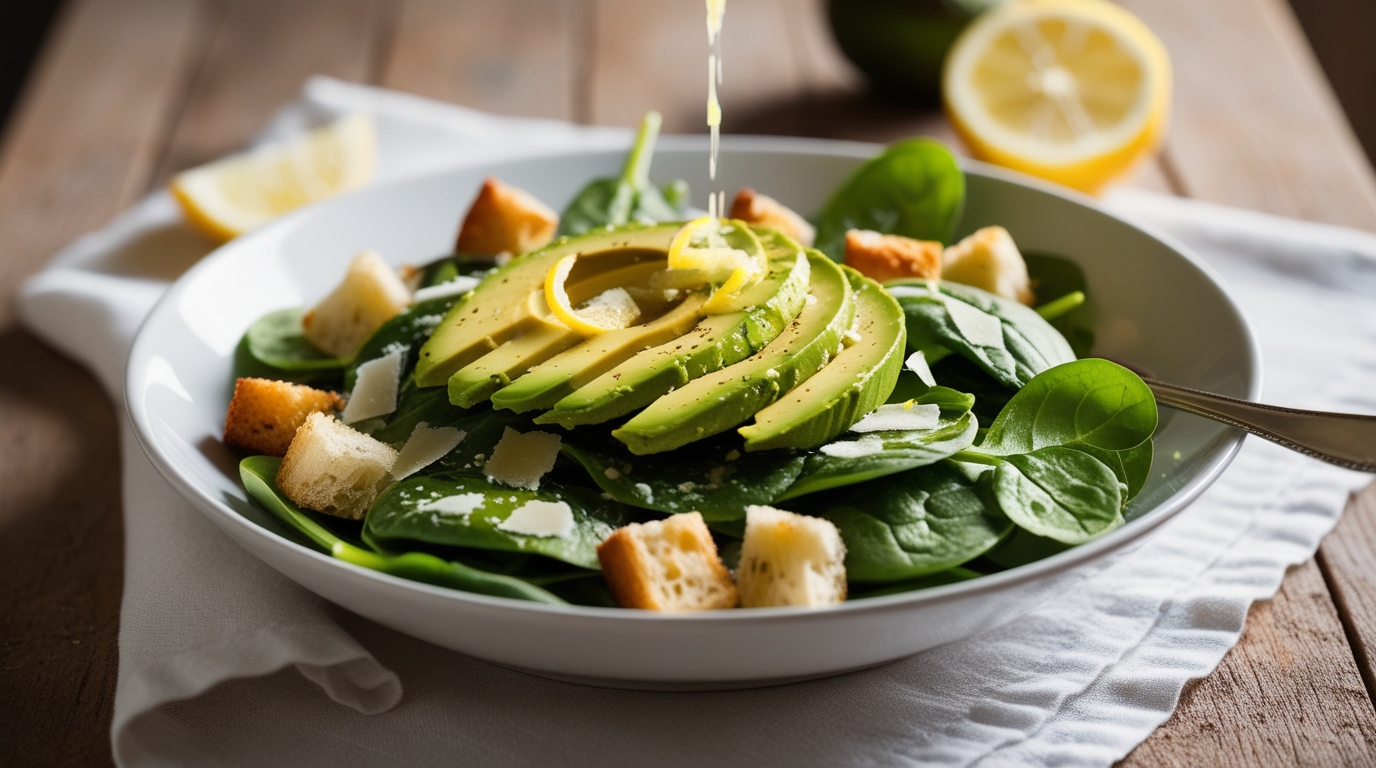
column 1029, row 449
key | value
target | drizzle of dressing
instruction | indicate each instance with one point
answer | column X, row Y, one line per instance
column 716, row 10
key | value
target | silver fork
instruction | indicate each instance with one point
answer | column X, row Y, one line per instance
column 1345, row 439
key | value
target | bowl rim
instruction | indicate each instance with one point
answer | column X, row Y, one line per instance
column 220, row 513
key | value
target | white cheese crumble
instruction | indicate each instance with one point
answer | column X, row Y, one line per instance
column 459, row 285
column 917, row 363
column 979, row 328
column 646, row 492
column 462, row 505
column 424, row 447
column 611, row 473
column 899, row 416
column 854, row 449
column 375, row 389
column 612, row 308
column 520, row 460
column 540, row 518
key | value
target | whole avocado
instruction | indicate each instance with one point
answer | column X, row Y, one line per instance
column 901, row 44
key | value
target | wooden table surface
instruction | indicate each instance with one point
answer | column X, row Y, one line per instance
column 129, row 91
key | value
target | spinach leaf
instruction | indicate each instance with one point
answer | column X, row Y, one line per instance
column 938, row 579
column 1054, row 277
column 278, row 341
column 259, row 475
column 407, row 331
column 1059, row 493
column 1011, row 342
column 629, row 197
column 1090, row 403
column 914, row 188
column 468, row 511
column 1022, row 548
column 857, row 458
column 714, row 476
column 964, row 376
column 915, row 523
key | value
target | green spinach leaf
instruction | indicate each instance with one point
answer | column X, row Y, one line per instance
column 259, row 475
column 1059, row 493
column 629, row 197
column 915, row 523
column 1054, row 277
column 938, row 579
column 468, row 511
column 1009, row 341
column 914, row 188
column 278, row 341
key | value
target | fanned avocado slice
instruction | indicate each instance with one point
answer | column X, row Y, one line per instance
column 720, row 400
column 542, row 339
column 561, row 375
column 854, row 383
column 498, row 310
column 716, row 342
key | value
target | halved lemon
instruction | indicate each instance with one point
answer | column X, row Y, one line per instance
column 610, row 310
column 1074, row 91
column 724, row 251
column 240, row 193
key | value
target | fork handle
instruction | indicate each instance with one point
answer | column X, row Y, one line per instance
column 1345, row 439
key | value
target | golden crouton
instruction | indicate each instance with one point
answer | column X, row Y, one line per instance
column 370, row 295
column 790, row 559
column 334, row 469
column 504, row 219
column 666, row 565
column 989, row 259
column 888, row 257
column 264, row 414
column 752, row 207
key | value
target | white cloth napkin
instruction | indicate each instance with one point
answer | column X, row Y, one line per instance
column 225, row 662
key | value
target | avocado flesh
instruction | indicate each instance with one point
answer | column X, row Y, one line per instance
column 497, row 310
column 557, row 378
column 475, row 382
column 856, row 381
column 719, row 401
column 716, row 342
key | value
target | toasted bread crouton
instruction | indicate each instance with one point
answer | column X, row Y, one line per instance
column 666, row 565
column 752, row 207
column 334, row 469
column 789, row 559
column 370, row 295
column 504, row 219
column 264, row 414
column 887, row 257
column 989, row 259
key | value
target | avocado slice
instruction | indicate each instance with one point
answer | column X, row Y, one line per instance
column 559, row 376
column 855, row 382
column 716, row 342
column 718, row 401
column 541, row 340
column 498, row 310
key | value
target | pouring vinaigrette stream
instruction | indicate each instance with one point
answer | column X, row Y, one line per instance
column 613, row 405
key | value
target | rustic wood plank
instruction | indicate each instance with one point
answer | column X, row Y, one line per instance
column 1348, row 560
column 83, row 144
column 654, row 56
column 521, row 57
column 1288, row 694
column 1255, row 124
column 261, row 52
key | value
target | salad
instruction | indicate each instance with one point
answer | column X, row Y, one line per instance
column 627, row 404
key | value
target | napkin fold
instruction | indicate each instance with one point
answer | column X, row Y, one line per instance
column 225, row 662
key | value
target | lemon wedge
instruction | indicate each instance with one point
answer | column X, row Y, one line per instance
column 610, row 310
column 724, row 251
column 1074, row 91
column 229, row 197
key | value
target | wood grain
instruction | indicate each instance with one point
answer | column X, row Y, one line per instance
column 258, row 56
column 1255, row 124
column 86, row 136
column 1348, row 560
column 522, row 57
column 1288, row 694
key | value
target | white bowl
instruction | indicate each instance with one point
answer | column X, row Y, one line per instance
column 1161, row 308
